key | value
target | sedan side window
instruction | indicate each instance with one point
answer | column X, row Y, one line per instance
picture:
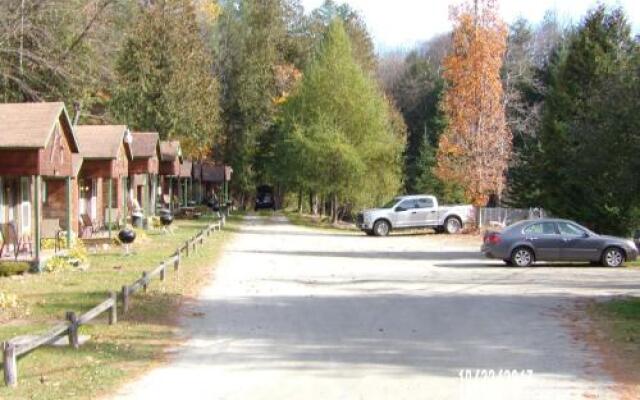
column 570, row 229
column 543, row 228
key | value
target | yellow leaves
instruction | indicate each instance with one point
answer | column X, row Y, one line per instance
column 475, row 148
column 210, row 10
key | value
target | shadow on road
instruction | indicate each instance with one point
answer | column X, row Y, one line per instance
column 403, row 334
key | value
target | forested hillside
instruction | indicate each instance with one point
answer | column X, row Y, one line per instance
column 532, row 114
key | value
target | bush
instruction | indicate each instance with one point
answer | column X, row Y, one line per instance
column 8, row 301
column 58, row 264
column 8, row 268
column 76, row 257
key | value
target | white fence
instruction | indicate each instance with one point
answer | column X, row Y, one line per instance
column 500, row 217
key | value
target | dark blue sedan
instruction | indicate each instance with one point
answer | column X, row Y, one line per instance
column 527, row 242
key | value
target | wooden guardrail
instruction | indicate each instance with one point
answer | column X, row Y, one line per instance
column 16, row 347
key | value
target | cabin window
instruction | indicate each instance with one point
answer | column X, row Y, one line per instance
column 26, row 203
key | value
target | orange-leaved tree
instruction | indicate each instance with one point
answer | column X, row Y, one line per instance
column 475, row 147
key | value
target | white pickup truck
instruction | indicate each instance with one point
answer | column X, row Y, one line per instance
column 412, row 212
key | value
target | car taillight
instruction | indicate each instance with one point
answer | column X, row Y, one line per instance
column 492, row 238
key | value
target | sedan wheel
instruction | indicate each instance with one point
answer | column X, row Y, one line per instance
column 452, row 225
column 381, row 228
column 613, row 257
column 522, row 257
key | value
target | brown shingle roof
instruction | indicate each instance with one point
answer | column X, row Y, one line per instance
column 185, row 169
column 211, row 172
column 169, row 150
column 29, row 125
column 100, row 141
column 144, row 144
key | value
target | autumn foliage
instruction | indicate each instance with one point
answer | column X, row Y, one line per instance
column 475, row 147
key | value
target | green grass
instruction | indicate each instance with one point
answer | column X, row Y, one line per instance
column 116, row 353
column 622, row 319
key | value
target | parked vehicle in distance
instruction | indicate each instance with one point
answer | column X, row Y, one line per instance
column 265, row 198
column 527, row 242
column 412, row 212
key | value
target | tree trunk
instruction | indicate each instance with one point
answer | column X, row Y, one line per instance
column 334, row 209
column 300, row 201
column 313, row 198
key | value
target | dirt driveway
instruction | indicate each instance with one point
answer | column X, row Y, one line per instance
column 295, row 313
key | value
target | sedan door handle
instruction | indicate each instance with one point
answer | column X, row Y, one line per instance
column 414, row 212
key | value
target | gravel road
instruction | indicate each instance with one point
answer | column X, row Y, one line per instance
column 296, row 313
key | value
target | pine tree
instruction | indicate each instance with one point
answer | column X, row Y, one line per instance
column 589, row 137
column 338, row 129
column 165, row 78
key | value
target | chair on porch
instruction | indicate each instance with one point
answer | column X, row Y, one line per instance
column 88, row 227
column 10, row 238
column 51, row 230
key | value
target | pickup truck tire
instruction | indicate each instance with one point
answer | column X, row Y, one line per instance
column 452, row 225
column 381, row 228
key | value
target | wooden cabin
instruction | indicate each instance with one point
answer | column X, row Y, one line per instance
column 102, row 181
column 143, row 170
column 212, row 181
column 39, row 155
column 170, row 160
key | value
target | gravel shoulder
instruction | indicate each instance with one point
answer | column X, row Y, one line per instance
column 295, row 312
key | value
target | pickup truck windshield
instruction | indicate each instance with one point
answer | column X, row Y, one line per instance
column 391, row 203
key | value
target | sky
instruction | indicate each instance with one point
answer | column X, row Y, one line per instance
column 400, row 24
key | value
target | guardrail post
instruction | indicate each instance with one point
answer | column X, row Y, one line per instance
column 9, row 364
column 125, row 299
column 162, row 271
column 113, row 314
column 145, row 284
column 73, row 329
column 176, row 263
column 186, row 247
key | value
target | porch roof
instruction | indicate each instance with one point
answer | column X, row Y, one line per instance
column 145, row 144
column 102, row 142
column 186, row 168
column 170, row 150
column 30, row 125
column 213, row 173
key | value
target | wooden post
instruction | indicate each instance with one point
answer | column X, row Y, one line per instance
column 37, row 223
column 171, row 194
column 186, row 246
column 109, row 217
column 176, row 263
column 145, row 284
column 162, row 271
column 9, row 364
column 125, row 299
column 125, row 200
column 73, row 329
column 113, row 314
column 69, row 211
column 193, row 243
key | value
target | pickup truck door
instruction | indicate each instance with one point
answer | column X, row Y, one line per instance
column 427, row 214
column 404, row 214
